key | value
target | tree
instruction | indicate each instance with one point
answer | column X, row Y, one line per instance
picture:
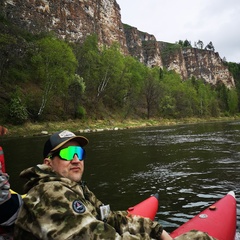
column 17, row 110
column 110, row 84
column 187, row 43
column 232, row 101
column 210, row 47
column 180, row 42
column 13, row 58
column 131, row 84
column 200, row 44
column 75, row 91
column 222, row 94
column 151, row 91
column 55, row 65
column 88, row 57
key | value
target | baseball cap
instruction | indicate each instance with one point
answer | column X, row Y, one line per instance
column 58, row 139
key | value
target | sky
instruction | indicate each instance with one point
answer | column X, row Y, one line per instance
column 216, row 21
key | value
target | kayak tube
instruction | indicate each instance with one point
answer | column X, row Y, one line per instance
column 2, row 161
column 218, row 220
column 147, row 208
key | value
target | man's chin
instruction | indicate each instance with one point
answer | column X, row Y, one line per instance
column 76, row 178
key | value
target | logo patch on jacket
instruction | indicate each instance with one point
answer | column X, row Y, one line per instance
column 78, row 207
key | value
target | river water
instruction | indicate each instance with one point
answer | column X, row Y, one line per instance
column 190, row 166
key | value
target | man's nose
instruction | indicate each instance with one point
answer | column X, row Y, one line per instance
column 75, row 158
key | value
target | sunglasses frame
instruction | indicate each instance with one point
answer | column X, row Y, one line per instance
column 58, row 152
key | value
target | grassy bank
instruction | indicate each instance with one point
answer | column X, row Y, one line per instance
column 30, row 129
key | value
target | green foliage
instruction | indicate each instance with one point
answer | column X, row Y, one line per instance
column 17, row 111
column 6, row 39
column 55, row 64
column 200, row 44
column 76, row 90
column 13, row 59
column 126, row 26
column 151, row 90
column 169, row 49
column 84, row 80
column 210, row 47
column 81, row 112
column 234, row 68
column 131, row 84
column 232, row 101
column 88, row 57
column 187, row 98
column 184, row 43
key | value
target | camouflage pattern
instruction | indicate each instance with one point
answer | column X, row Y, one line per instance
column 58, row 208
column 194, row 235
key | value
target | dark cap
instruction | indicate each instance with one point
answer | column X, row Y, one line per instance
column 58, row 139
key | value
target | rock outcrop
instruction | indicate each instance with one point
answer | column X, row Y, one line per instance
column 198, row 63
column 143, row 46
column 72, row 20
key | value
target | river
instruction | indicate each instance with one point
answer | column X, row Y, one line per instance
column 190, row 166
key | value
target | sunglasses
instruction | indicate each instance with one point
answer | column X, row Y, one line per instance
column 68, row 153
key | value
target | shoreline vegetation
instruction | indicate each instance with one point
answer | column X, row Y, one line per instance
column 85, row 126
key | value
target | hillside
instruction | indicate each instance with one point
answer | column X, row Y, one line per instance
column 75, row 20
column 63, row 60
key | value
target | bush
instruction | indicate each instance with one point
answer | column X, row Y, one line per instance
column 17, row 111
column 81, row 112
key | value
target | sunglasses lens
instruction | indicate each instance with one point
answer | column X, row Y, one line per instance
column 69, row 153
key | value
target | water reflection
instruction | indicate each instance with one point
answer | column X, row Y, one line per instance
column 190, row 166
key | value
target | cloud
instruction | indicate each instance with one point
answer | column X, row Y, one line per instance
column 216, row 21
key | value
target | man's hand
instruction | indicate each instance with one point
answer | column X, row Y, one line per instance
column 4, row 186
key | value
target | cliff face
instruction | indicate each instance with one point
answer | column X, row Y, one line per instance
column 73, row 20
column 206, row 65
column 143, row 46
column 202, row 64
column 188, row 62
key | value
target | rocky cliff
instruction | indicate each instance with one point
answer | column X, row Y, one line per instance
column 143, row 46
column 202, row 64
column 73, row 20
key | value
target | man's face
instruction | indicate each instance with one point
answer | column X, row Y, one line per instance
column 70, row 169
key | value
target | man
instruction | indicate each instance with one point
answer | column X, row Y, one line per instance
column 59, row 205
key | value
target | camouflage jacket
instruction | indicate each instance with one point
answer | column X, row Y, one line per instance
column 58, row 208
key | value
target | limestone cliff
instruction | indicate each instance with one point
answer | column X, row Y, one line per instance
column 143, row 46
column 188, row 62
column 202, row 64
column 73, row 20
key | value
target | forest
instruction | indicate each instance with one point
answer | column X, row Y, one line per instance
column 43, row 78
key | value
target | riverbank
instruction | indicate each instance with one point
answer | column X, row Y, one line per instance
column 83, row 126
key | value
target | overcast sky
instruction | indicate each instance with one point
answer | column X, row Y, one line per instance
column 217, row 21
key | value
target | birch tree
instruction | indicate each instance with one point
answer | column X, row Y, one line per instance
column 55, row 65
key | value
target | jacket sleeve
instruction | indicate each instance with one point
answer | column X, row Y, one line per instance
column 124, row 224
column 9, row 210
column 134, row 225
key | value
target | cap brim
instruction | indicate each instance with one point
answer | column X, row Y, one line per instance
column 82, row 141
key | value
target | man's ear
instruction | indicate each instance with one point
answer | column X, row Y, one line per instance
column 47, row 161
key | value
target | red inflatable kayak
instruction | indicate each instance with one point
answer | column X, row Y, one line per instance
column 218, row 220
column 2, row 159
column 147, row 208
